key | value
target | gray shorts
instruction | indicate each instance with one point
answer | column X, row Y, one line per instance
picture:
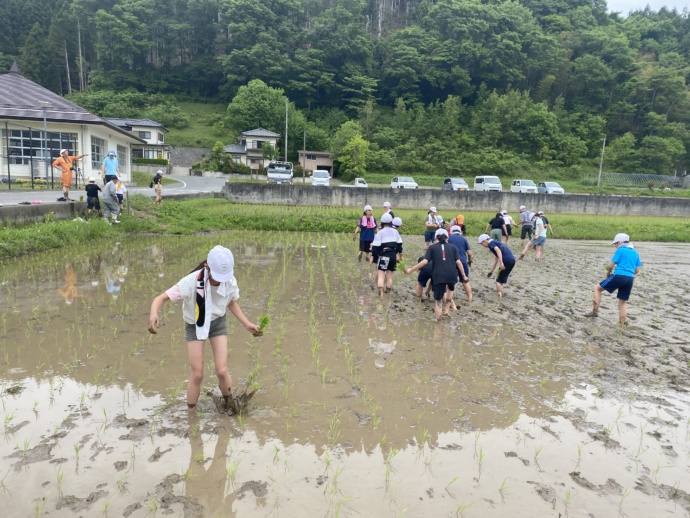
column 219, row 327
column 496, row 233
column 538, row 241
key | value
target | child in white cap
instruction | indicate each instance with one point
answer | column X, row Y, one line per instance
column 432, row 224
column 386, row 249
column 92, row 190
column 206, row 294
column 626, row 263
column 366, row 227
column 444, row 274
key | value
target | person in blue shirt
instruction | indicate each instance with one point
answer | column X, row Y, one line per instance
column 110, row 167
column 503, row 257
column 626, row 262
column 366, row 227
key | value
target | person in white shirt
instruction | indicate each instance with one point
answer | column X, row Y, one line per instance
column 509, row 222
column 206, row 294
column 539, row 239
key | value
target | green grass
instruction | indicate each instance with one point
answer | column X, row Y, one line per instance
column 213, row 214
column 144, row 179
column 200, row 132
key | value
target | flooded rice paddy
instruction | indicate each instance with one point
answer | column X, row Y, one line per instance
column 366, row 406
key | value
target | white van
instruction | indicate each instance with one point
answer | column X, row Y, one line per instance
column 320, row 177
column 487, row 183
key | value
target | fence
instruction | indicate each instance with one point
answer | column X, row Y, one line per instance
column 27, row 154
column 635, row 180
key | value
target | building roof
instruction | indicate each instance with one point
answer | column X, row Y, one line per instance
column 236, row 148
column 20, row 97
column 128, row 123
column 260, row 132
column 318, row 153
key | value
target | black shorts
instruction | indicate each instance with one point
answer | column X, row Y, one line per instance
column 108, row 178
column 92, row 202
column 423, row 279
column 386, row 263
column 365, row 246
column 509, row 228
column 526, row 230
column 503, row 274
column 622, row 283
column 440, row 289
column 467, row 272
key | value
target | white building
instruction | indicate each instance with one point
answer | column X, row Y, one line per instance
column 151, row 132
column 249, row 147
column 24, row 109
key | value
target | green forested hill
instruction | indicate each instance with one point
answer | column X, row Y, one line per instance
column 445, row 85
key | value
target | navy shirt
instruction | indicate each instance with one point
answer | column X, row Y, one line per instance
column 505, row 251
column 92, row 190
column 366, row 234
column 445, row 269
column 459, row 242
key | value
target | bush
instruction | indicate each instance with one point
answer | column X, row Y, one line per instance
column 650, row 184
column 150, row 161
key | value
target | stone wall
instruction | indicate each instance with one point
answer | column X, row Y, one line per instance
column 449, row 202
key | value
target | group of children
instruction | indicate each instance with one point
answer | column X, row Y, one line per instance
column 114, row 193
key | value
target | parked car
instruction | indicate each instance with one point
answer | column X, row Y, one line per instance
column 279, row 172
column 321, row 177
column 487, row 183
column 550, row 188
column 404, row 182
column 359, row 182
column 523, row 186
column 455, row 184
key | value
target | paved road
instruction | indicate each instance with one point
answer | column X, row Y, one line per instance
column 184, row 185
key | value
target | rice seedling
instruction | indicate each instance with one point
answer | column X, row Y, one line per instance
column 537, row 451
column 333, row 433
column 231, row 471
column 152, row 506
column 461, row 508
column 480, row 463
column 566, row 502
column 624, row 495
column 502, row 490
column 39, row 506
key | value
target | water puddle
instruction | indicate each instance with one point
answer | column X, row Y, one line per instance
column 366, row 406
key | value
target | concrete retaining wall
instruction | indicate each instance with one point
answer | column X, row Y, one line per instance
column 449, row 202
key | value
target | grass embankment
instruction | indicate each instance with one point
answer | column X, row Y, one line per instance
column 209, row 215
column 200, row 131
column 144, row 179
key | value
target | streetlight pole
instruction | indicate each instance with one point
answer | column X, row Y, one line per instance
column 44, row 106
column 601, row 162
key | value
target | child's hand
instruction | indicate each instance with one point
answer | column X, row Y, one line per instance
column 153, row 324
column 252, row 328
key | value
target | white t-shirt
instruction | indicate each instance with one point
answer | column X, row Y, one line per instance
column 221, row 296
column 508, row 220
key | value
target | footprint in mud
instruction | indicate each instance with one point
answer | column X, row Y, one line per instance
column 611, row 486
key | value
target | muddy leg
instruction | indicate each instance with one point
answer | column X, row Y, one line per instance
column 389, row 281
column 499, row 289
column 622, row 312
column 438, row 309
column 219, row 344
column 597, row 300
column 537, row 255
column 468, row 291
column 195, row 350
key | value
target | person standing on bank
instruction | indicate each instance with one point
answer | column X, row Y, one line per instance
column 366, row 227
column 158, row 186
column 92, row 190
column 110, row 167
column 385, row 249
column 111, row 205
column 65, row 163
column 503, row 257
column 444, row 274
column 621, row 271
column 206, row 295
column 433, row 223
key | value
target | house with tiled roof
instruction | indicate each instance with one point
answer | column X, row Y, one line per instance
column 36, row 124
column 151, row 132
column 248, row 150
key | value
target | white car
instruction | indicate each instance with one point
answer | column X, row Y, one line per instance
column 404, row 182
column 523, row 186
column 487, row 183
column 320, row 177
column 550, row 188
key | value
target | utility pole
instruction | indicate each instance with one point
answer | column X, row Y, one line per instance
column 304, row 159
column 46, row 156
column 286, row 127
column 82, row 83
column 601, row 162
column 69, row 80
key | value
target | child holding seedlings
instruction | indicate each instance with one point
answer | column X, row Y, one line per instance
column 444, row 274
column 433, row 223
column 92, row 190
column 463, row 246
column 503, row 257
column 366, row 227
column 626, row 263
column 423, row 279
column 206, row 293
column 385, row 249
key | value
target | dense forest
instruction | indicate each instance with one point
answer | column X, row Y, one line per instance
column 406, row 85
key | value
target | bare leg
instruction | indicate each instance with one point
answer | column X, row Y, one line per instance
column 380, row 281
column 419, row 292
column 359, row 256
column 526, row 249
column 389, row 280
column 537, row 255
column 468, row 291
column 622, row 312
column 219, row 344
column 438, row 308
column 499, row 289
column 195, row 350
column 598, row 290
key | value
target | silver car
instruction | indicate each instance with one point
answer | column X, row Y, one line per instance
column 550, row 188
column 455, row 184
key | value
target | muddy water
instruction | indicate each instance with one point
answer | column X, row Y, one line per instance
column 366, row 406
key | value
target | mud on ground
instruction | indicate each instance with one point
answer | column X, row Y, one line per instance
column 366, row 406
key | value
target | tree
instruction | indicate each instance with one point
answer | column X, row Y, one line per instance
column 257, row 105
column 353, row 157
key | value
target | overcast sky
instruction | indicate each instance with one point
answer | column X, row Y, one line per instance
column 625, row 6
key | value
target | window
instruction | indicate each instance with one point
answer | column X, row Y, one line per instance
column 145, row 134
column 311, row 157
column 97, row 152
column 237, row 159
column 151, row 153
column 160, row 137
column 122, row 160
column 25, row 145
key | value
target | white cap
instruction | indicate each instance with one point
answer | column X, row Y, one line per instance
column 63, row 151
column 621, row 238
column 91, row 179
column 432, row 209
column 522, row 207
column 540, row 212
column 397, row 222
column 221, row 262
column 160, row 172
column 455, row 229
column 386, row 218
column 367, row 207
column 386, row 204
column 440, row 232
column 482, row 238
column 504, row 212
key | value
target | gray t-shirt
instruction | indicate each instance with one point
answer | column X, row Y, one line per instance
column 110, row 192
column 526, row 218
